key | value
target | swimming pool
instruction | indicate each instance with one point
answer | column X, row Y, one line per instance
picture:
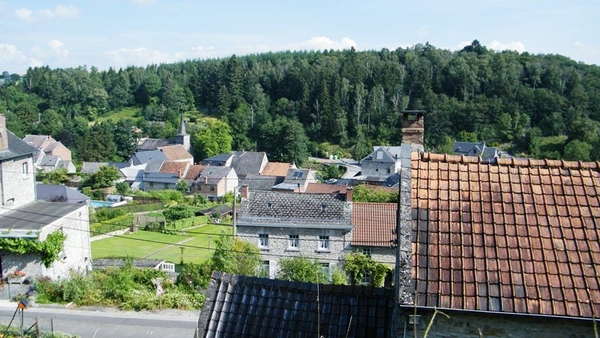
column 101, row 204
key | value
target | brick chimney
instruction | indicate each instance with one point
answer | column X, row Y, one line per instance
column 3, row 135
column 245, row 191
column 413, row 126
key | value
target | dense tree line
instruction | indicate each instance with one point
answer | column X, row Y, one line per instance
column 289, row 102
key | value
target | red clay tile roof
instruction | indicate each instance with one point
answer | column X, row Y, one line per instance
column 276, row 169
column 175, row 152
column 521, row 236
column 320, row 188
column 194, row 171
column 174, row 167
column 373, row 224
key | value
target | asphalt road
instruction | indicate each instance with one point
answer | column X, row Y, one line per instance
column 104, row 323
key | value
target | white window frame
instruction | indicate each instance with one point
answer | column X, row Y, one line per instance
column 25, row 168
column 365, row 250
column 266, row 268
column 323, row 243
column 263, row 241
column 294, row 242
column 326, row 268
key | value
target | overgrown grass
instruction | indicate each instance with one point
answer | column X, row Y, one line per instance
column 113, row 224
column 14, row 332
column 127, row 287
column 131, row 113
column 135, row 245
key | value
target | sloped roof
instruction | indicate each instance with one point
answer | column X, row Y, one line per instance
column 50, row 161
column 320, row 188
column 175, row 152
column 383, row 154
column 34, row 216
column 194, row 171
column 239, row 306
column 149, row 155
column 53, row 192
column 248, row 162
column 152, row 144
column 276, row 169
column 37, row 141
column 259, row 182
column 373, row 224
column 16, row 148
column 520, row 236
column 217, row 160
column 157, row 177
column 293, row 208
column 213, row 175
column 91, row 167
column 174, row 167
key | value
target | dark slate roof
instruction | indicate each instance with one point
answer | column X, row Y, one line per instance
column 239, row 306
column 35, row 215
column 392, row 180
column 16, row 148
column 259, row 182
column 217, row 160
column 382, row 154
column 153, row 144
column 91, row 167
column 155, row 177
column 52, row 192
column 248, row 162
column 291, row 208
column 468, row 148
column 50, row 161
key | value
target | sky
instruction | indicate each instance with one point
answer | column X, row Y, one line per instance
column 121, row 33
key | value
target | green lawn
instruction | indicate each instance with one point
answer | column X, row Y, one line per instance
column 197, row 249
column 125, row 113
column 136, row 245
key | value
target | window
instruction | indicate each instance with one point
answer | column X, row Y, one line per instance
column 389, row 170
column 263, row 240
column 212, row 188
column 323, row 243
column 25, row 169
column 266, row 269
column 366, row 251
column 366, row 279
column 326, row 269
column 294, row 242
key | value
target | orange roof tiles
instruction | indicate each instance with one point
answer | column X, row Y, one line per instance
column 320, row 188
column 194, row 171
column 276, row 169
column 373, row 224
column 175, row 152
column 519, row 236
column 174, row 167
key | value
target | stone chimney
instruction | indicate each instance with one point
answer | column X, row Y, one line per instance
column 3, row 134
column 413, row 126
column 245, row 191
column 404, row 285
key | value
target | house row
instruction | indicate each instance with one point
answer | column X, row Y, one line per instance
column 508, row 248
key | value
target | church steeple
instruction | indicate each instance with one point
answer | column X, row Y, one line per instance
column 182, row 137
column 182, row 126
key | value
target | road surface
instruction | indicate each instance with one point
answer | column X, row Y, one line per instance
column 104, row 323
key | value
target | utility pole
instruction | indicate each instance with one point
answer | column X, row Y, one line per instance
column 235, row 191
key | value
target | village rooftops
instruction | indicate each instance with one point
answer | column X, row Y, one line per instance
column 16, row 148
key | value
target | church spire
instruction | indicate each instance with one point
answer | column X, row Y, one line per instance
column 182, row 126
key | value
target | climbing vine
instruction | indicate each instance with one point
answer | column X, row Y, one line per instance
column 49, row 249
column 357, row 264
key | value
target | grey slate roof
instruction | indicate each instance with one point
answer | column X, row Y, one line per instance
column 36, row 141
column 140, row 157
column 35, row 215
column 16, row 148
column 217, row 160
column 247, row 162
column 52, row 192
column 155, row 177
column 292, row 208
column 383, row 154
column 239, row 306
column 153, row 144
column 213, row 175
column 91, row 167
column 50, row 161
column 259, row 182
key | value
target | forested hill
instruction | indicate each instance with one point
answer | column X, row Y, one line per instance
column 288, row 103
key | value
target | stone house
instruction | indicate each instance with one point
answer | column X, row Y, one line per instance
column 283, row 224
column 296, row 180
column 215, row 182
column 21, row 216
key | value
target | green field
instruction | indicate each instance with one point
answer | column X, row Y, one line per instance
column 198, row 245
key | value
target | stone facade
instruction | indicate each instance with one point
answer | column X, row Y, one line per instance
column 279, row 244
column 413, row 126
column 74, row 258
column 17, row 183
column 488, row 325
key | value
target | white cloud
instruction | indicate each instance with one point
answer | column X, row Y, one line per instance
column 57, row 49
column 517, row 46
column 204, row 52
column 15, row 61
column 322, row 43
column 142, row 56
column 28, row 16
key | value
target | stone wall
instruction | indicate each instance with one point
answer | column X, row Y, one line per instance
column 18, row 188
column 488, row 325
column 339, row 244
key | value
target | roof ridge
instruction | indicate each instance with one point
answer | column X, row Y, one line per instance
column 512, row 162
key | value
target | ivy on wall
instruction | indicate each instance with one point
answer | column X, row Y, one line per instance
column 48, row 249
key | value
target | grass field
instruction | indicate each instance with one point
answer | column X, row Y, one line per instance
column 198, row 246
column 125, row 113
